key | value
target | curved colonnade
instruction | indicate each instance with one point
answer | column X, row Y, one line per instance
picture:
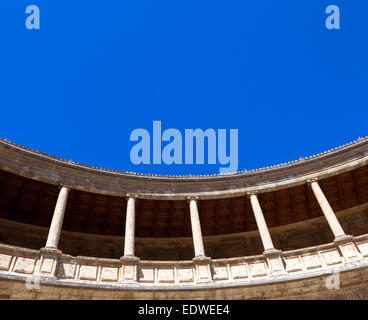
column 271, row 274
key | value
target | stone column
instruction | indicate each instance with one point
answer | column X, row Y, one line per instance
column 261, row 222
column 57, row 219
column 129, row 262
column 202, row 267
column 272, row 255
column 196, row 228
column 130, row 226
column 49, row 255
column 343, row 241
column 326, row 209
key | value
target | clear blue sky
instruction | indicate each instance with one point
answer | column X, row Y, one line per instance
column 96, row 70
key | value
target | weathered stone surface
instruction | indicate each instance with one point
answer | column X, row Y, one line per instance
column 166, row 275
column 185, row 274
column 355, row 287
column 293, row 264
column 363, row 248
column 220, row 273
column 129, row 272
column 312, row 261
column 88, row 273
column 5, row 261
column 47, row 265
column 305, row 261
column 258, row 269
column 109, row 274
column 25, row 265
column 332, row 257
column 147, row 275
column 239, row 271
column 275, row 265
column 203, row 271
column 349, row 250
column 67, row 270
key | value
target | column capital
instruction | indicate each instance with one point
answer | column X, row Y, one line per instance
column 192, row 198
column 251, row 193
column 130, row 195
column 310, row 181
column 64, row 185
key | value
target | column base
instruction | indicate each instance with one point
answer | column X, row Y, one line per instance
column 271, row 252
column 348, row 249
column 50, row 251
column 129, row 269
column 343, row 239
column 129, row 258
column 47, row 267
column 201, row 258
column 274, row 262
column 202, row 269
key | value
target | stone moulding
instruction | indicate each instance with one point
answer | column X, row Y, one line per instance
column 34, row 165
column 22, row 264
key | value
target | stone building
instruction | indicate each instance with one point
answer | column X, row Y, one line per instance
column 74, row 231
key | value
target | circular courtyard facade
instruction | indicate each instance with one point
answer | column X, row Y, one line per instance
column 297, row 230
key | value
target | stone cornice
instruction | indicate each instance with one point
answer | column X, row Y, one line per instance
column 39, row 166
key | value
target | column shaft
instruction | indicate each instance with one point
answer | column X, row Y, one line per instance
column 130, row 227
column 261, row 223
column 327, row 210
column 196, row 229
column 57, row 219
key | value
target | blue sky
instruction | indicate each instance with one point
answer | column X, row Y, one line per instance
column 95, row 71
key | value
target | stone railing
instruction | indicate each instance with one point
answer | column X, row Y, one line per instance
column 53, row 266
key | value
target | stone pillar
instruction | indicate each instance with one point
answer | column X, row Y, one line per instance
column 326, row 209
column 202, row 266
column 261, row 222
column 130, row 226
column 343, row 241
column 272, row 255
column 57, row 219
column 49, row 255
column 196, row 228
column 129, row 262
